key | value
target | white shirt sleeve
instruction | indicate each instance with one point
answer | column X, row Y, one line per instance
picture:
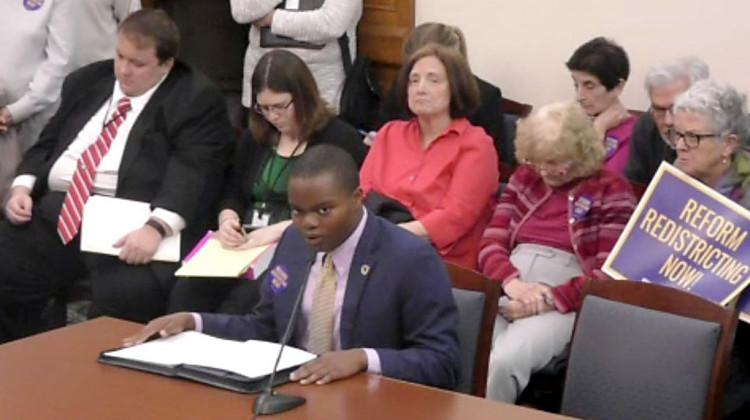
column 246, row 11
column 45, row 87
column 122, row 8
column 174, row 220
column 322, row 25
column 198, row 321
column 373, row 361
column 26, row 180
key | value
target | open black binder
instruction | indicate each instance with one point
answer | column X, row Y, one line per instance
column 242, row 366
column 206, row 375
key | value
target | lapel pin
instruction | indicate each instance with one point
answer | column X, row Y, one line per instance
column 365, row 269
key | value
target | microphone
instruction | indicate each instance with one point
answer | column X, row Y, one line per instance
column 271, row 402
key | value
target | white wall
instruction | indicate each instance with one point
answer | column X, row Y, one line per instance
column 522, row 45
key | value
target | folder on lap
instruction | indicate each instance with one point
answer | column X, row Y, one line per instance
column 210, row 259
column 234, row 365
column 107, row 219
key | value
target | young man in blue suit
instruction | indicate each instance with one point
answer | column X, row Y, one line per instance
column 393, row 312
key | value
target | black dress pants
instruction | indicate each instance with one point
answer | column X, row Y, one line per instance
column 35, row 266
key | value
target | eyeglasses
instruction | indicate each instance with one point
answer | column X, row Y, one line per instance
column 560, row 168
column 660, row 111
column 692, row 140
column 267, row 109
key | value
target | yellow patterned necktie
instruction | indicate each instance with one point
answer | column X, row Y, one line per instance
column 321, row 319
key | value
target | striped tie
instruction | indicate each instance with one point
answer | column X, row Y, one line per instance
column 69, row 221
column 321, row 319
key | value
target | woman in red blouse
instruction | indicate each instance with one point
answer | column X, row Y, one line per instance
column 555, row 224
column 437, row 165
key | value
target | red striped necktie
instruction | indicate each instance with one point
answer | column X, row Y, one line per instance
column 69, row 222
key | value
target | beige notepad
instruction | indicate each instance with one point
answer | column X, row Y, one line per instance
column 210, row 259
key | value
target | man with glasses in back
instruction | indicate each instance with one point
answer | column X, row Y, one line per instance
column 649, row 142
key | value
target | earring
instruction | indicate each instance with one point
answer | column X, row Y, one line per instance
column 724, row 159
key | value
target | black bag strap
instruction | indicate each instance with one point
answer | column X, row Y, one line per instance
column 346, row 55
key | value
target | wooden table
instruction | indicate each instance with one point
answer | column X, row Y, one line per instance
column 55, row 376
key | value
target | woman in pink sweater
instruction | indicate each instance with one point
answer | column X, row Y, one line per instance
column 555, row 224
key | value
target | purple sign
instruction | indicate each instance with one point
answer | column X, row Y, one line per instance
column 685, row 235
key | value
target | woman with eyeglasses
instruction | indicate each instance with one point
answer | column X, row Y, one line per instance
column 555, row 224
column 711, row 133
column 288, row 117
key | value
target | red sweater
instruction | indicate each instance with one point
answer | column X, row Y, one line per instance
column 449, row 187
column 598, row 210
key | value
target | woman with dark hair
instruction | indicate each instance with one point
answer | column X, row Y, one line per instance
column 600, row 69
column 488, row 115
column 288, row 117
column 437, row 166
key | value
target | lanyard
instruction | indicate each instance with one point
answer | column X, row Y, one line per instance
column 269, row 186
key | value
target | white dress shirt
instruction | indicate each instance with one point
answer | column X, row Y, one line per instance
column 105, row 181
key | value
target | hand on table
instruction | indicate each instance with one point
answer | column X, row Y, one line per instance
column 331, row 367
column 163, row 326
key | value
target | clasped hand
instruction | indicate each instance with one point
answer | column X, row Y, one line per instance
column 526, row 299
column 19, row 206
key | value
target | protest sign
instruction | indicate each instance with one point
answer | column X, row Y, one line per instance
column 685, row 235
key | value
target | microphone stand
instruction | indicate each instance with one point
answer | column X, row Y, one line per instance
column 271, row 402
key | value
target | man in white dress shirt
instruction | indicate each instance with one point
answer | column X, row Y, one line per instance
column 169, row 147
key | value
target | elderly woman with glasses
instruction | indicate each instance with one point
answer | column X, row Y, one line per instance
column 710, row 132
column 289, row 117
column 555, row 224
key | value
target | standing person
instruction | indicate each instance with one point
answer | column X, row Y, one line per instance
column 144, row 127
column 600, row 69
column 375, row 297
column 320, row 26
column 649, row 142
column 96, row 28
column 215, row 44
column 38, row 38
column 289, row 118
column 437, row 166
column 555, row 224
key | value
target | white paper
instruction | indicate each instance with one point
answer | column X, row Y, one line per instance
column 291, row 5
column 107, row 219
column 252, row 359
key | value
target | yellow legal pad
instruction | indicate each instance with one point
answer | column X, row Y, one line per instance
column 210, row 259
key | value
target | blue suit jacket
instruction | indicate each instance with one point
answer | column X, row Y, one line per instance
column 402, row 306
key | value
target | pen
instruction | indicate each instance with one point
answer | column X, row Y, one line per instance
column 245, row 229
